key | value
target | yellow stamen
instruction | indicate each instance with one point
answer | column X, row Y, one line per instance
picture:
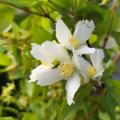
column 74, row 42
column 66, row 69
column 91, row 71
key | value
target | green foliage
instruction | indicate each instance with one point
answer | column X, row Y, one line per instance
column 67, row 111
column 5, row 61
column 7, row 15
column 23, row 22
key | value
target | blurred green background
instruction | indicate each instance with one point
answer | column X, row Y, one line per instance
column 23, row 22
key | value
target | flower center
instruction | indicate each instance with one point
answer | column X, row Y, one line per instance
column 66, row 69
column 91, row 71
column 74, row 42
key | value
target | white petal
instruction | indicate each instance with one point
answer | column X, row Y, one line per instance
column 63, row 33
column 45, row 75
column 50, row 51
column 84, row 65
column 99, row 73
column 39, row 69
column 97, row 59
column 75, row 60
column 35, row 51
column 85, row 50
column 83, row 30
column 55, row 51
column 72, row 86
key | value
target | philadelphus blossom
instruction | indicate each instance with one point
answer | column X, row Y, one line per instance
column 50, row 53
column 58, row 64
column 91, row 71
column 77, row 41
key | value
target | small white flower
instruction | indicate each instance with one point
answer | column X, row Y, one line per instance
column 77, row 41
column 47, row 74
column 93, row 71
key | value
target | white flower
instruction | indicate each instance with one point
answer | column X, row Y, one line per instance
column 77, row 41
column 58, row 65
column 51, row 53
column 94, row 70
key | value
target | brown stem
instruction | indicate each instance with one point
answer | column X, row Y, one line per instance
column 116, row 58
column 27, row 10
column 110, row 23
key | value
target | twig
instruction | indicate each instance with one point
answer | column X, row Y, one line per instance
column 28, row 10
column 116, row 58
column 110, row 23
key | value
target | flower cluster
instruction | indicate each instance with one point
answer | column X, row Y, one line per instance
column 59, row 64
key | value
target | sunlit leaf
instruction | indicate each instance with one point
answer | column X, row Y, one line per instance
column 93, row 38
column 103, row 116
column 22, row 3
column 7, row 118
column 7, row 15
column 30, row 116
column 5, row 60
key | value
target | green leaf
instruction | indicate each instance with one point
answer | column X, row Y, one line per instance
column 109, row 104
column 66, row 110
column 30, row 116
column 7, row 15
column 5, row 59
column 103, row 116
column 39, row 34
column 93, row 38
column 7, row 118
column 115, row 86
column 62, row 3
column 22, row 3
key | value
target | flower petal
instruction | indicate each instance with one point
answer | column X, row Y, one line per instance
column 35, row 51
column 39, row 69
column 50, row 51
column 75, row 60
column 83, row 30
column 85, row 50
column 84, row 65
column 99, row 73
column 72, row 86
column 45, row 75
column 56, row 51
column 97, row 60
column 63, row 33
